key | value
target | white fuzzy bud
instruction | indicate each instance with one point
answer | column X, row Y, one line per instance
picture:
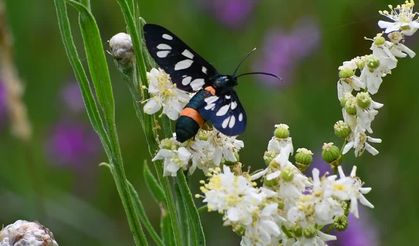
column 121, row 48
column 23, row 233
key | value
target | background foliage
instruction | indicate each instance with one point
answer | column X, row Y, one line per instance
column 77, row 199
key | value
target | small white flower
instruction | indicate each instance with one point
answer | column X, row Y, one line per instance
column 360, row 142
column 211, row 148
column 163, row 93
column 403, row 17
column 265, row 230
column 232, row 195
column 174, row 157
column 349, row 188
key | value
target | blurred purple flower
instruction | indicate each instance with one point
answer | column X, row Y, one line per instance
column 360, row 232
column 231, row 13
column 3, row 106
column 283, row 51
column 72, row 98
column 320, row 164
column 73, row 144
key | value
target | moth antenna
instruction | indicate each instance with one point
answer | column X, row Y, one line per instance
column 240, row 63
column 262, row 73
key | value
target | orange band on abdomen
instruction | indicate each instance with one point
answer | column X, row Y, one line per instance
column 210, row 89
column 193, row 114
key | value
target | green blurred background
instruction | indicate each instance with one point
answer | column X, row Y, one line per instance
column 302, row 41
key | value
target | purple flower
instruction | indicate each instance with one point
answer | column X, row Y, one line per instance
column 360, row 232
column 72, row 98
column 283, row 51
column 231, row 13
column 73, row 144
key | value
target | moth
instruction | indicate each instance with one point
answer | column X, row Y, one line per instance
column 215, row 100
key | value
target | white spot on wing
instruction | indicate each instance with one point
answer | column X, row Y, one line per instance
column 186, row 80
column 210, row 102
column 223, row 110
column 233, row 105
column 225, row 122
column 163, row 53
column 184, row 64
column 227, row 96
column 197, row 84
column 240, row 116
column 232, row 122
column 187, row 54
column 204, row 70
column 167, row 36
column 164, row 47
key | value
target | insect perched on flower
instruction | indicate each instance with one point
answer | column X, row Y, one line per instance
column 215, row 99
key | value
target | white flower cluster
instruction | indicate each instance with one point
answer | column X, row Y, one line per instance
column 289, row 208
column 164, row 94
column 206, row 151
column 361, row 77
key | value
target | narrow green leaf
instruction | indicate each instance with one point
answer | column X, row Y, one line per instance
column 143, row 216
column 75, row 62
column 96, row 60
column 188, row 236
column 153, row 185
column 193, row 214
column 166, row 229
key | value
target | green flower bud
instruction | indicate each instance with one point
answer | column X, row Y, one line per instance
column 372, row 63
column 168, row 143
column 298, row 231
column 360, row 62
column 363, row 99
column 202, row 135
column 282, row 131
column 379, row 40
column 287, row 175
column 303, row 158
column 346, row 73
column 271, row 183
column 341, row 223
column 268, row 156
column 342, row 129
column 309, row 232
column 350, row 105
column 273, row 165
column 330, row 153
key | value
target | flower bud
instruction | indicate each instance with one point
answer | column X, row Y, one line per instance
column 330, row 153
column 342, row 129
column 27, row 233
column 303, row 158
column 341, row 223
column 360, row 62
column 268, row 156
column 372, row 63
column 395, row 37
column 121, row 48
column 271, row 181
column 168, row 143
column 309, row 232
column 346, row 73
column 287, row 175
column 350, row 105
column 379, row 40
column 282, row 131
column 363, row 99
